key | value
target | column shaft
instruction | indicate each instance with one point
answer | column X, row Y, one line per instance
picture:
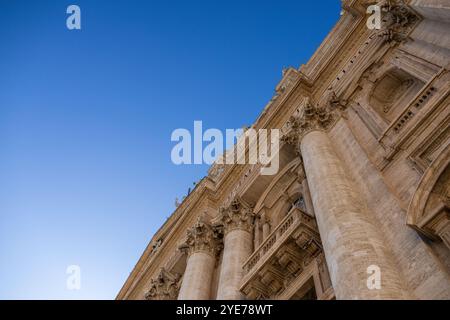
column 352, row 243
column 237, row 249
column 202, row 246
column 196, row 284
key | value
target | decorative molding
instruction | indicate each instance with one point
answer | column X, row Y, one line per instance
column 429, row 210
column 398, row 21
column 282, row 256
column 237, row 215
column 215, row 171
column 424, row 111
column 202, row 237
column 164, row 287
column 311, row 118
column 439, row 223
column 427, row 151
column 295, row 220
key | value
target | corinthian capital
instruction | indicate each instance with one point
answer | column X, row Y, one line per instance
column 164, row 287
column 398, row 20
column 202, row 237
column 237, row 215
column 311, row 118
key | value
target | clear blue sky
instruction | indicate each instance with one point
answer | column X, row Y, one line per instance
column 86, row 117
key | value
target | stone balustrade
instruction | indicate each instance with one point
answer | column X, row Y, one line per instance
column 293, row 219
column 288, row 249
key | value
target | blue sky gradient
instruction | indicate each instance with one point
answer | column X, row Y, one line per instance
column 86, row 118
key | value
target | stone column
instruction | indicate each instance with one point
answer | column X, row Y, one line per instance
column 201, row 246
column 352, row 243
column 237, row 223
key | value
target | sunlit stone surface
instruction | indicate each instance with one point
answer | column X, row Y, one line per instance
column 360, row 207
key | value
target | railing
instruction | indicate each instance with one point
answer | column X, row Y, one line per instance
column 294, row 218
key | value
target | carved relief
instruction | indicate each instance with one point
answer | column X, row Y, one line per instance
column 215, row 172
column 237, row 215
column 289, row 76
column 164, row 287
column 156, row 246
column 335, row 102
column 290, row 258
column 309, row 118
column 308, row 243
column 202, row 237
column 272, row 277
column 257, row 290
column 398, row 21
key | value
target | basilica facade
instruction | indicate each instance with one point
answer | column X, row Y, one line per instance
column 360, row 206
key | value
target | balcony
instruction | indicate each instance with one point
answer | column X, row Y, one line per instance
column 282, row 257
